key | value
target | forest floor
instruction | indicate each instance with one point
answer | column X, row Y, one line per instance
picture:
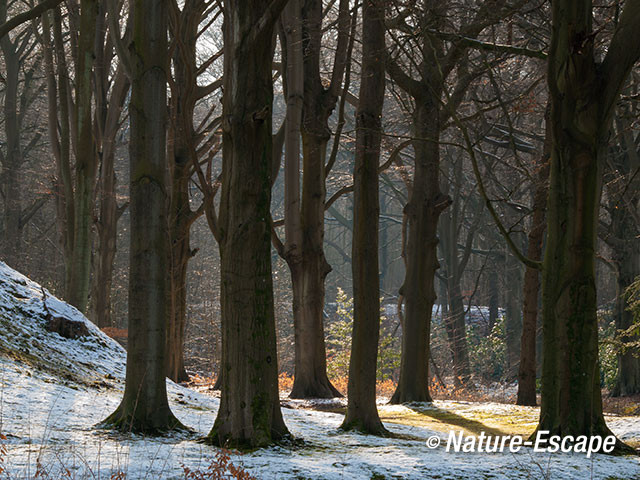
column 53, row 392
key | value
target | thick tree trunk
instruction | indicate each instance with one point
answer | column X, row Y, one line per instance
column 423, row 210
column 310, row 378
column 583, row 94
column 249, row 413
column 362, row 413
column 571, row 399
column 145, row 407
column 310, row 352
column 531, row 283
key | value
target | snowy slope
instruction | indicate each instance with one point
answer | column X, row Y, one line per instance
column 54, row 390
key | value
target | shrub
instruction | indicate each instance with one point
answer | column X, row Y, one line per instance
column 488, row 354
column 339, row 333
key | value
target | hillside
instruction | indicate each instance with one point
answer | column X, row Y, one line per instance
column 54, row 390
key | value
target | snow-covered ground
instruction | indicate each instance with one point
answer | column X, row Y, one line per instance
column 53, row 391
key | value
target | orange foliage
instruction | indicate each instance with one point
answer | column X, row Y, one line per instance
column 385, row 388
column 285, row 382
column 222, row 468
column 116, row 333
column 341, row 384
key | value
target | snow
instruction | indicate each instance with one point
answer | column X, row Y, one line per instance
column 53, row 391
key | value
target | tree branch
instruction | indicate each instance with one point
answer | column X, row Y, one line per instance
column 30, row 14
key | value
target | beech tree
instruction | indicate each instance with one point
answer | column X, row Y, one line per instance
column 362, row 413
column 187, row 146
column 72, row 138
column 437, row 64
column 622, row 235
column 20, row 90
column 249, row 413
column 309, row 106
column 144, row 407
column 111, row 89
column 583, row 94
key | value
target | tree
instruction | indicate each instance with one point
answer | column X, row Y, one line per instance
column 362, row 413
column 309, row 106
column 7, row 25
column 111, row 89
column 583, row 94
column 531, row 283
column 144, row 407
column 70, row 125
column 622, row 235
column 86, row 165
column 426, row 81
column 186, row 147
column 16, row 53
column 249, row 413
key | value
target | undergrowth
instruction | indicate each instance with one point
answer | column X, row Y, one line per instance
column 220, row 468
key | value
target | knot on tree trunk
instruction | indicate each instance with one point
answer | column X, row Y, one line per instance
column 440, row 202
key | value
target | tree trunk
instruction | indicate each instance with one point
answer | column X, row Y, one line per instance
column 457, row 334
column 86, row 162
column 454, row 322
column 145, row 407
column 182, row 154
column 106, row 250
column 513, row 315
column 308, row 261
column 362, row 413
column 531, row 283
column 494, row 296
column 426, row 203
column 59, row 133
column 180, row 220
column 310, row 360
column 625, row 250
column 249, row 413
column 12, row 161
column 583, row 95
column 108, row 113
column 310, row 378
column 628, row 382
